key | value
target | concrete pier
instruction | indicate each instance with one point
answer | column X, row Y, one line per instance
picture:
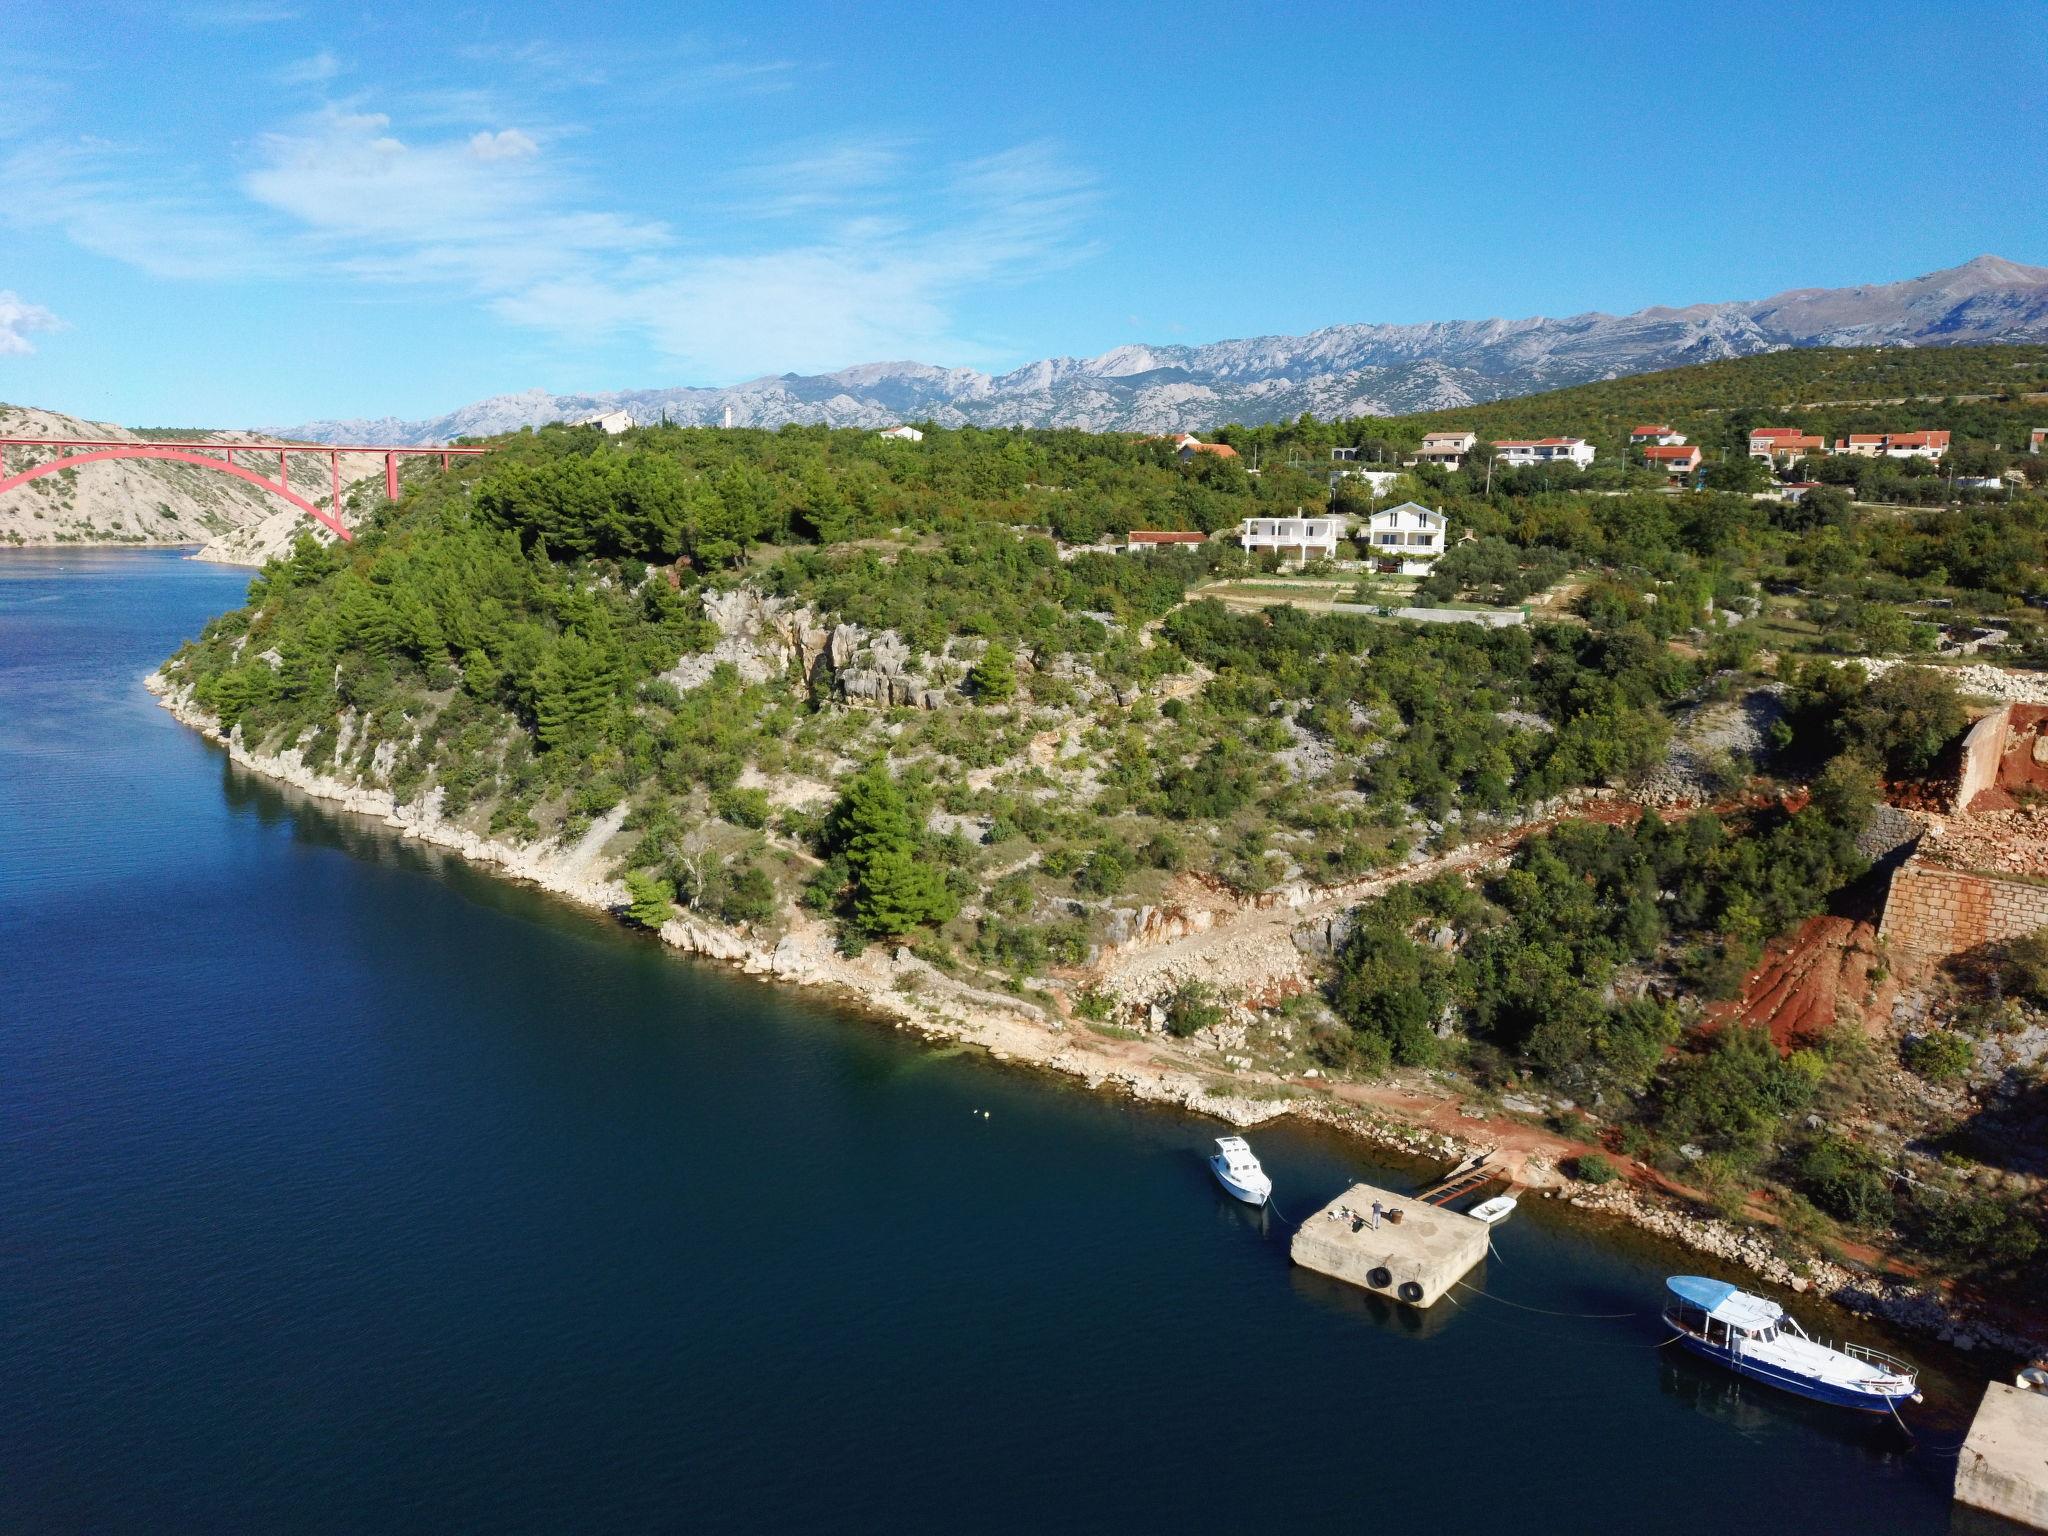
column 2004, row 1465
column 1413, row 1259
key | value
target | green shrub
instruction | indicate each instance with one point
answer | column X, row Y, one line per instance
column 1846, row 1180
column 1194, row 1007
column 1592, row 1168
column 742, row 807
column 1940, row 1055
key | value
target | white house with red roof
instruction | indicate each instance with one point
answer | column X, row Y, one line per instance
column 1916, row 445
column 902, row 434
column 1676, row 459
column 1662, row 436
column 2036, row 439
column 1545, row 450
column 1761, row 438
column 1894, row 445
column 1144, row 540
column 1783, row 445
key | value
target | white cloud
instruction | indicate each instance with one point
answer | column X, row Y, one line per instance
column 842, row 252
column 103, row 198
column 505, row 144
column 18, row 320
column 317, row 69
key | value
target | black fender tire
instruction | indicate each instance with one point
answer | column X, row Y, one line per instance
column 1410, row 1292
column 1379, row 1278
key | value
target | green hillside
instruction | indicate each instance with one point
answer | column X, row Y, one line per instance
column 1988, row 395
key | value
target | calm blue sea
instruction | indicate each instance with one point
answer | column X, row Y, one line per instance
column 345, row 1189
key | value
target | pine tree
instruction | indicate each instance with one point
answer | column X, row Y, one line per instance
column 653, row 899
column 898, row 893
column 872, row 830
column 994, row 676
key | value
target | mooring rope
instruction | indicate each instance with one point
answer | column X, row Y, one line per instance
column 1545, row 1311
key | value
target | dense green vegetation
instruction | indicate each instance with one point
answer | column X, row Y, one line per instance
column 1826, row 391
column 1044, row 738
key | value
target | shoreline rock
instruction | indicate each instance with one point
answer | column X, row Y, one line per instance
column 910, row 993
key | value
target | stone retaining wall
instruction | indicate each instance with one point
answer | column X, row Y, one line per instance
column 1931, row 912
column 1983, row 750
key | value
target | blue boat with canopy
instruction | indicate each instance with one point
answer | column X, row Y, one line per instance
column 1754, row 1337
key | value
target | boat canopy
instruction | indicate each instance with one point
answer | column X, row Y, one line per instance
column 1233, row 1144
column 1725, row 1304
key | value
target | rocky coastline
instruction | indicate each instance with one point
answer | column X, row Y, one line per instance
column 910, row 993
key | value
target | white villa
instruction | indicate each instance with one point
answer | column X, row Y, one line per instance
column 613, row 422
column 1655, row 432
column 902, row 434
column 1303, row 537
column 1446, row 448
column 1407, row 538
column 1546, row 450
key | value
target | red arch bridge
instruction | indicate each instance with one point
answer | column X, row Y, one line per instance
column 74, row 451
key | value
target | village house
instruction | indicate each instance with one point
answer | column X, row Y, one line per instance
column 1144, row 540
column 1762, row 438
column 1917, row 445
column 1187, row 445
column 902, row 434
column 1545, row 450
column 1894, row 445
column 1302, row 537
column 1784, row 445
column 612, row 422
column 1447, row 449
column 1406, row 539
column 2036, row 438
column 1678, row 461
column 1662, row 436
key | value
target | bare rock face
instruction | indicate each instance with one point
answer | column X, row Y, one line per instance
column 1341, row 370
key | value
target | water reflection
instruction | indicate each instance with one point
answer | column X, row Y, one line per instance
column 1751, row 1408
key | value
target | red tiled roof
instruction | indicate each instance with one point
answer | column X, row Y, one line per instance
column 1654, row 431
column 1222, row 450
column 1776, row 432
column 1147, row 536
column 1668, row 451
column 1920, row 440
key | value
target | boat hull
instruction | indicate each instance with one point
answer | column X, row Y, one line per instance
column 1250, row 1194
column 1818, row 1391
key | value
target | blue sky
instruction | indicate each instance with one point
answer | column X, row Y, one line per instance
column 251, row 212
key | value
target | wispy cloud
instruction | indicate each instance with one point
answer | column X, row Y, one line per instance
column 18, row 320
column 838, row 252
column 105, row 199
column 316, row 69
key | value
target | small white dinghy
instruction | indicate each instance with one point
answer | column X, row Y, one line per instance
column 1493, row 1211
column 1239, row 1172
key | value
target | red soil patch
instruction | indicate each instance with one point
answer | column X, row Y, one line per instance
column 1809, row 979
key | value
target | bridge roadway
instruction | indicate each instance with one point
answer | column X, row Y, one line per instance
column 74, row 451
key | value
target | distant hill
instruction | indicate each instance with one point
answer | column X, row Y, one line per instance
column 1988, row 393
column 1344, row 370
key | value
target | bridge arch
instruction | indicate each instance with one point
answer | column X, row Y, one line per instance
column 183, row 456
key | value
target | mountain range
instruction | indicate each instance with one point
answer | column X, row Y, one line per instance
column 1341, row 370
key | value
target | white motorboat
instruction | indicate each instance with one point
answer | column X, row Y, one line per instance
column 1493, row 1211
column 1239, row 1172
column 1754, row 1337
